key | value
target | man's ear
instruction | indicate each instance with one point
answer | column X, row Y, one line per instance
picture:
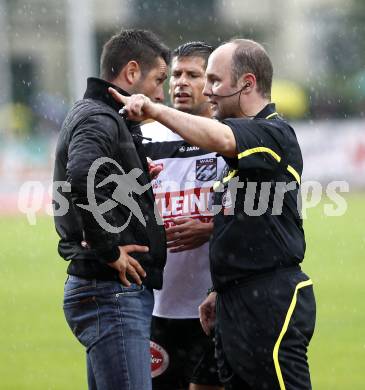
column 247, row 82
column 132, row 72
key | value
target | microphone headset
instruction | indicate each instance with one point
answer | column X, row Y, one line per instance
column 234, row 93
column 247, row 85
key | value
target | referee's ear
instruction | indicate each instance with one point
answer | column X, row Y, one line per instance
column 247, row 82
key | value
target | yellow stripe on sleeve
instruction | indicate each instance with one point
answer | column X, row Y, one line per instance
column 227, row 178
column 294, row 173
column 230, row 175
column 263, row 149
column 216, row 185
column 260, row 149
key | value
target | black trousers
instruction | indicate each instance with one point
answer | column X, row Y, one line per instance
column 264, row 327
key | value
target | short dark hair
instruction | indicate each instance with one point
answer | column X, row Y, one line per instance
column 251, row 57
column 194, row 49
column 142, row 46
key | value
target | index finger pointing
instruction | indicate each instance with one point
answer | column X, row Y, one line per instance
column 118, row 97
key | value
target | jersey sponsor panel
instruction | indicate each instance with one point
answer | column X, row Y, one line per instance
column 190, row 203
column 183, row 189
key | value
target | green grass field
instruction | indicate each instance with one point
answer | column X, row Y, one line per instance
column 38, row 351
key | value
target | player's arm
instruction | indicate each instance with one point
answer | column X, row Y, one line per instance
column 204, row 132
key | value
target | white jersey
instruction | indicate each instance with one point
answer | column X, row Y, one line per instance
column 182, row 189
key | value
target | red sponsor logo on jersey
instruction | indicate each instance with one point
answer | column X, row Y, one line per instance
column 191, row 203
column 159, row 359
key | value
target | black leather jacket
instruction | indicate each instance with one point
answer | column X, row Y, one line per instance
column 93, row 129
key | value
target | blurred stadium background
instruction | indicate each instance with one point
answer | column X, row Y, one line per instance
column 49, row 47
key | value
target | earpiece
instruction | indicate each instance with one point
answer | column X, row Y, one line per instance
column 247, row 85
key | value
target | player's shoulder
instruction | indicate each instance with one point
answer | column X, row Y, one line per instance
column 158, row 132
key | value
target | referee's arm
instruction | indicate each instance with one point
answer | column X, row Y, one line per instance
column 206, row 133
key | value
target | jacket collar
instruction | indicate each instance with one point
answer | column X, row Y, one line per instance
column 98, row 89
column 266, row 111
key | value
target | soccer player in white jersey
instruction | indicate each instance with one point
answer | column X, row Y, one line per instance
column 182, row 355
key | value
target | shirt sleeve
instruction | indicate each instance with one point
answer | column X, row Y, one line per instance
column 257, row 145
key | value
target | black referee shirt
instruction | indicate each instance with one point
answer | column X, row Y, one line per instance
column 252, row 232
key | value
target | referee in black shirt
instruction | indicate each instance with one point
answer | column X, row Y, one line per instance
column 262, row 305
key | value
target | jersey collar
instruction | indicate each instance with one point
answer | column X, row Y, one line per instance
column 268, row 112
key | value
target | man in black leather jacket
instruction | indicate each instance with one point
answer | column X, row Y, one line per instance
column 110, row 233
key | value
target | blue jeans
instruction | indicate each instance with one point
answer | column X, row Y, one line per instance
column 113, row 323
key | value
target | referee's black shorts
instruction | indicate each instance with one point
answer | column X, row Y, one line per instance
column 263, row 330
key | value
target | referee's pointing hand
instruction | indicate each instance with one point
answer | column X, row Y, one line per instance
column 139, row 107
